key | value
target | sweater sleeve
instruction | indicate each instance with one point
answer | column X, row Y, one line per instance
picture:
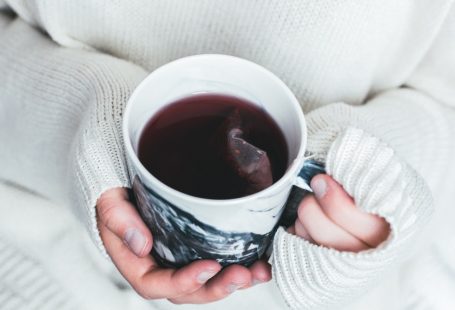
column 391, row 154
column 62, row 109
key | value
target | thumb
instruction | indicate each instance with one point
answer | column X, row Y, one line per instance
column 119, row 216
column 342, row 210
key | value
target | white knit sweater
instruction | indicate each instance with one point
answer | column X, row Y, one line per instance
column 376, row 80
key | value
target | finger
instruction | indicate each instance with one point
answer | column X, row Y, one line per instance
column 129, row 265
column 173, row 283
column 150, row 281
column 226, row 282
column 325, row 232
column 300, row 231
column 291, row 230
column 117, row 214
column 341, row 209
column 261, row 272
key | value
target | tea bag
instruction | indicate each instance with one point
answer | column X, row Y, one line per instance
column 248, row 162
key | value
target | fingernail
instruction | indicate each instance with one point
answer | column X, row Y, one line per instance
column 205, row 276
column 135, row 241
column 319, row 187
column 233, row 287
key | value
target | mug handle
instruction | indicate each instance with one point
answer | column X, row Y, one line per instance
column 301, row 188
column 309, row 169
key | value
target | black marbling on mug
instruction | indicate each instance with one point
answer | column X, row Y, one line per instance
column 179, row 238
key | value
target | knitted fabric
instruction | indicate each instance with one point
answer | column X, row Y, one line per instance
column 390, row 64
column 309, row 275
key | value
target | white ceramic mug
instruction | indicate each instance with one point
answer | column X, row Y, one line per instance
column 187, row 228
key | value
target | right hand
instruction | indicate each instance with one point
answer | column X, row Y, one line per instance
column 128, row 242
column 331, row 219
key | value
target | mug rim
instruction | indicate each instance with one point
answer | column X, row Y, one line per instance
column 291, row 171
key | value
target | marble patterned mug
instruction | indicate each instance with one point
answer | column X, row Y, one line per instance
column 187, row 228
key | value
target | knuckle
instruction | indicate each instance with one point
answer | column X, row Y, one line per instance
column 299, row 229
column 143, row 293
column 176, row 301
column 107, row 212
column 322, row 241
column 306, row 202
column 332, row 210
column 309, row 199
column 240, row 271
column 219, row 293
column 183, row 286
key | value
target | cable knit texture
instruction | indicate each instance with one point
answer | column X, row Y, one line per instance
column 375, row 80
column 311, row 275
column 18, row 272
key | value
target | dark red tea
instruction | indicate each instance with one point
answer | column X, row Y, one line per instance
column 180, row 145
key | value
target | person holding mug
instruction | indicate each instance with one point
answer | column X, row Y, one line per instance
column 373, row 81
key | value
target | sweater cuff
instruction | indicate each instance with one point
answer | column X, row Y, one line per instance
column 98, row 158
column 311, row 276
column 96, row 171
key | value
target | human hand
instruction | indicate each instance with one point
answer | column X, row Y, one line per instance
column 331, row 219
column 128, row 242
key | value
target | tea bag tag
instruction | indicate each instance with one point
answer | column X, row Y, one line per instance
column 250, row 164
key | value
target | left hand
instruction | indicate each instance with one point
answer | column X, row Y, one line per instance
column 128, row 242
column 331, row 219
